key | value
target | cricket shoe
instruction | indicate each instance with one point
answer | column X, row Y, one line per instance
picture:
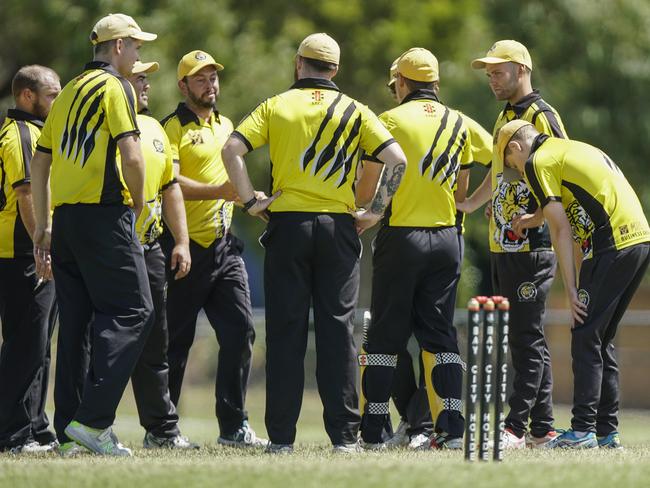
column 71, row 449
column 279, row 449
column 573, row 439
column 33, row 447
column 509, row 440
column 176, row 442
column 419, row 442
column 445, row 441
column 533, row 442
column 372, row 446
column 244, row 437
column 353, row 448
column 610, row 441
column 400, row 437
column 103, row 442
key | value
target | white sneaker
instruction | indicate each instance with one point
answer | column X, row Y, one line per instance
column 419, row 442
column 34, row 447
column 346, row 448
column 510, row 441
column 177, row 442
column 244, row 437
column 371, row 446
column 279, row 449
column 400, row 437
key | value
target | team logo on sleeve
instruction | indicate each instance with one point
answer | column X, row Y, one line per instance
column 582, row 227
column 158, row 146
column 527, row 292
column 512, row 198
column 583, row 296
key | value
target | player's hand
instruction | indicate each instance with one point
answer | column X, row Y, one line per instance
column 226, row 191
column 578, row 309
column 522, row 222
column 364, row 220
column 42, row 258
column 488, row 211
column 464, row 207
column 260, row 209
column 137, row 210
column 181, row 260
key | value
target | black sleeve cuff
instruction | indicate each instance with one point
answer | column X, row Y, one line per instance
column 127, row 133
column 372, row 159
column 172, row 182
column 24, row 181
column 467, row 166
column 548, row 200
column 242, row 138
column 383, row 146
column 45, row 150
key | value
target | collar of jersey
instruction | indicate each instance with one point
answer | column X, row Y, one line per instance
column 315, row 83
column 421, row 94
column 17, row 114
column 522, row 105
column 101, row 65
column 186, row 116
column 539, row 140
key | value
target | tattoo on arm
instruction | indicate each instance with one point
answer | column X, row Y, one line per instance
column 387, row 188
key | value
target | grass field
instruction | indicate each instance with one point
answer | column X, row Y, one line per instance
column 314, row 465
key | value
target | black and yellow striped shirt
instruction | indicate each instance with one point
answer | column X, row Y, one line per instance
column 18, row 135
column 510, row 194
column 437, row 145
column 315, row 133
column 569, row 171
column 92, row 112
column 196, row 145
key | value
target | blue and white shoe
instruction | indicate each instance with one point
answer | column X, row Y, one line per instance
column 573, row 439
column 610, row 441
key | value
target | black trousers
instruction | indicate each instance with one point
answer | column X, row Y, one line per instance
column 525, row 279
column 218, row 284
column 150, row 378
column 415, row 277
column 408, row 392
column 607, row 284
column 311, row 258
column 28, row 313
column 104, row 299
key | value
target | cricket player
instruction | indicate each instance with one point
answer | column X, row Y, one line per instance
column 27, row 304
column 561, row 175
column 312, row 249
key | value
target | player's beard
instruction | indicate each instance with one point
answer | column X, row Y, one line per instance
column 40, row 110
column 199, row 102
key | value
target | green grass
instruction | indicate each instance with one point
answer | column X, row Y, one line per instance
column 314, row 465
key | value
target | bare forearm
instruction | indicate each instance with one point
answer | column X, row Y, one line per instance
column 463, row 185
column 482, row 194
column 194, row 190
column 133, row 171
column 174, row 214
column 40, row 187
column 563, row 245
column 237, row 172
column 26, row 210
column 395, row 167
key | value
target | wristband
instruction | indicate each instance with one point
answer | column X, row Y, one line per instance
column 249, row 204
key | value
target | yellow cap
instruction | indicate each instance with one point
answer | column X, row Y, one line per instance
column 393, row 73
column 504, row 135
column 418, row 64
column 195, row 61
column 504, row 52
column 118, row 26
column 139, row 67
column 321, row 47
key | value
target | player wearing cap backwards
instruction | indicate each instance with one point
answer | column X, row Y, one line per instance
column 97, row 195
column 523, row 263
column 561, row 173
column 312, row 249
column 163, row 199
column 217, row 282
column 416, row 260
column 27, row 305
column 408, row 394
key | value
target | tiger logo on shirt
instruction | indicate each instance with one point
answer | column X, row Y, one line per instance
column 582, row 227
column 510, row 199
